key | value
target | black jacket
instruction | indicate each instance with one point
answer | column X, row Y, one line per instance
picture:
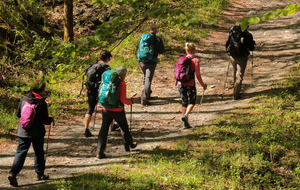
column 248, row 43
column 42, row 118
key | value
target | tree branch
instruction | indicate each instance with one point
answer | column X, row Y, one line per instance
column 144, row 19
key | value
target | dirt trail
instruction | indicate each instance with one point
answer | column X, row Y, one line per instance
column 277, row 49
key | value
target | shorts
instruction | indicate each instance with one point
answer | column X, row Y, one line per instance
column 188, row 94
column 92, row 101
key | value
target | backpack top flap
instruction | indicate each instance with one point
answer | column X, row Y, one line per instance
column 27, row 115
column 183, row 71
column 108, row 89
column 146, row 47
column 93, row 75
column 236, row 45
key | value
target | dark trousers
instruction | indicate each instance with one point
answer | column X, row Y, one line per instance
column 92, row 101
column 148, row 71
column 239, row 66
column 120, row 118
column 23, row 147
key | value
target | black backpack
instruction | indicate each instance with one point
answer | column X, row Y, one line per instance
column 93, row 76
column 235, row 43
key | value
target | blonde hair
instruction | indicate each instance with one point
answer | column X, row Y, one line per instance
column 190, row 46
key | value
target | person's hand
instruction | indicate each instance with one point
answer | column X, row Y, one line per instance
column 53, row 122
column 132, row 100
column 205, row 86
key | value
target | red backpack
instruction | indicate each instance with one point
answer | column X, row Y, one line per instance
column 27, row 115
column 183, row 71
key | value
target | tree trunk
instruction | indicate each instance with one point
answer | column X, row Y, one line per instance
column 68, row 21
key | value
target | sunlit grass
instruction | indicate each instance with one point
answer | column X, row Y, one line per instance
column 252, row 147
column 260, row 151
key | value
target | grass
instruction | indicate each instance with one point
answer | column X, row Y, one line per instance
column 252, row 147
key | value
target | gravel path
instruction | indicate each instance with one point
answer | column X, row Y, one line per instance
column 278, row 47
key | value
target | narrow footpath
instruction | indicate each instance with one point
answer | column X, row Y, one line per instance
column 277, row 50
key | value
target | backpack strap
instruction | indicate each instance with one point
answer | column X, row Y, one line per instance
column 82, row 85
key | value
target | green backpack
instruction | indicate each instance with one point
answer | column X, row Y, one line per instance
column 146, row 50
column 108, row 90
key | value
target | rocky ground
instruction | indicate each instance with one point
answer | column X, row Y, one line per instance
column 278, row 48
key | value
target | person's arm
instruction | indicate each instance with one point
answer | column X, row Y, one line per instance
column 227, row 44
column 161, row 48
column 45, row 116
column 137, row 47
column 18, row 114
column 249, row 41
column 123, row 98
column 197, row 71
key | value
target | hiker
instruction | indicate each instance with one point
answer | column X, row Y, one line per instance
column 187, row 90
column 238, row 46
column 149, row 47
column 31, row 133
column 92, row 93
column 115, row 112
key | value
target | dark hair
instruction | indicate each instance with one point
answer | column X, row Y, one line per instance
column 105, row 54
column 39, row 87
column 153, row 27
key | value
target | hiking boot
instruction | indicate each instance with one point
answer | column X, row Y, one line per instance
column 185, row 120
column 115, row 127
column 101, row 155
column 13, row 180
column 132, row 146
column 237, row 97
column 186, row 126
column 42, row 177
column 87, row 133
column 145, row 103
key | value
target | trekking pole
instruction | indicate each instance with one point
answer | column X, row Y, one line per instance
column 131, row 112
column 95, row 115
column 48, row 139
column 226, row 78
column 252, row 71
column 130, row 118
column 130, row 142
column 198, row 110
column 130, row 122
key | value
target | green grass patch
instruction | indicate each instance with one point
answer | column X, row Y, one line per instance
column 253, row 147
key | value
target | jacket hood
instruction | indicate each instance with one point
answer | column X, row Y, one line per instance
column 30, row 98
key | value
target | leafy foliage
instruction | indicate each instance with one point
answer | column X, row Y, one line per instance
column 34, row 52
column 62, row 63
column 289, row 9
column 24, row 38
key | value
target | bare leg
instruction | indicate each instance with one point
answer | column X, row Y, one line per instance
column 189, row 108
column 183, row 110
column 87, row 120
